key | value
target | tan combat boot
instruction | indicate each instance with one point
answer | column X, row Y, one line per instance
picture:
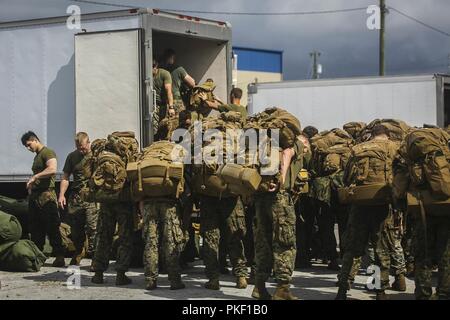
column 122, row 279
column 150, row 285
column 59, row 262
column 283, row 293
column 241, row 283
column 98, row 277
column 399, row 283
column 260, row 291
column 212, row 284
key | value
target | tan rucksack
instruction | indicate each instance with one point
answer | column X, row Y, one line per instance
column 331, row 150
column 354, row 128
column 398, row 129
column 105, row 167
column 369, row 173
column 158, row 171
column 428, row 157
column 277, row 118
column 166, row 127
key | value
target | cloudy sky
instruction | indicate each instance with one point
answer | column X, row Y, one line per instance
column 348, row 47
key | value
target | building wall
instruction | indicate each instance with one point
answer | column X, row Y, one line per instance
column 244, row 78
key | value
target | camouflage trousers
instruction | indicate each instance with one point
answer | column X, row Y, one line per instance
column 390, row 240
column 110, row 215
column 432, row 242
column 275, row 246
column 366, row 223
column 163, row 235
column 178, row 105
column 83, row 218
column 223, row 218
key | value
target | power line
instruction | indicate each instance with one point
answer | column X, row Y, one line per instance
column 293, row 13
column 105, row 4
column 420, row 22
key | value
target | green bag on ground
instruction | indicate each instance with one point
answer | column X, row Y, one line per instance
column 17, row 208
column 21, row 256
column 10, row 228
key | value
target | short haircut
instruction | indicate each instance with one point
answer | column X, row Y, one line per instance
column 379, row 129
column 27, row 136
column 80, row 137
column 236, row 92
column 168, row 53
column 310, row 131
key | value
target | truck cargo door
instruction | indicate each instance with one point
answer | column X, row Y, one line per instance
column 108, row 86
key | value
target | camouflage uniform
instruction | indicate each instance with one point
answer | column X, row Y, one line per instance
column 366, row 223
column 275, row 244
column 162, row 222
column 223, row 218
column 84, row 216
column 432, row 240
column 120, row 213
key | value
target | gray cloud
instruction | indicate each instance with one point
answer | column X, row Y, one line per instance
column 348, row 47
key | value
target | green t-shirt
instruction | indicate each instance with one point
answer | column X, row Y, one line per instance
column 178, row 76
column 74, row 166
column 234, row 107
column 161, row 78
column 39, row 165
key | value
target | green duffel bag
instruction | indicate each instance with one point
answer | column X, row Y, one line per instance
column 10, row 228
column 366, row 195
column 431, row 206
column 18, row 208
column 21, row 256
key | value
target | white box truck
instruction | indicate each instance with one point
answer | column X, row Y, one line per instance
column 56, row 81
column 327, row 104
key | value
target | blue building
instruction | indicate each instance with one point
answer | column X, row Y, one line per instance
column 256, row 65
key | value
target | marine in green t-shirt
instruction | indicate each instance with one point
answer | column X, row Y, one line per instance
column 161, row 80
column 39, row 165
column 234, row 107
column 74, row 166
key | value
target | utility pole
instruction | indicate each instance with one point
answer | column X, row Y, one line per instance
column 449, row 64
column 382, row 30
column 315, row 55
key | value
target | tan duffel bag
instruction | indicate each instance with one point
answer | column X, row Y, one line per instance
column 373, row 194
column 210, row 185
column 431, row 205
column 240, row 179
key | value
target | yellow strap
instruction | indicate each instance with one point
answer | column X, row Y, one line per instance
column 140, row 188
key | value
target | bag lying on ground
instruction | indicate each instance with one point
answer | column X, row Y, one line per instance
column 10, row 228
column 21, row 256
